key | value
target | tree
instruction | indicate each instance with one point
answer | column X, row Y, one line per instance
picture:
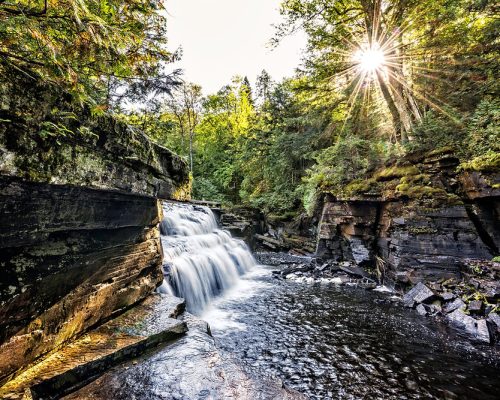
column 185, row 105
column 411, row 38
column 221, row 135
column 264, row 85
column 86, row 46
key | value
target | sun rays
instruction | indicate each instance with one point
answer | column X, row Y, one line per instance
column 380, row 69
column 370, row 59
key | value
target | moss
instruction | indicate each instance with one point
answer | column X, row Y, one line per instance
column 360, row 186
column 419, row 179
column 184, row 191
column 394, row 172
column 489, row 162
column 285, row 217
column 423, row 230
column 419, row 192
column 440, row 151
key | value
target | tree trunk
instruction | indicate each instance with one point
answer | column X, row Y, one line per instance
column 191, row 134
column 396, row 118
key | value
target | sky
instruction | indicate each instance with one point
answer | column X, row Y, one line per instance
column 224, row 38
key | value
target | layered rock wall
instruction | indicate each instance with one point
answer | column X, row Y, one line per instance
column 79, row 214
column 418, row 227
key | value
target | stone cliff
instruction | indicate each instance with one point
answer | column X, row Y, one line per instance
column 79, row 216
column 416, row 220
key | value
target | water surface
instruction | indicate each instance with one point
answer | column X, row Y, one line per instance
column 333, row 342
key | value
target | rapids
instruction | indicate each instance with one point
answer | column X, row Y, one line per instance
column 200, row 260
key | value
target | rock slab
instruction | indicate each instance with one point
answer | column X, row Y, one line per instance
column 127, row 336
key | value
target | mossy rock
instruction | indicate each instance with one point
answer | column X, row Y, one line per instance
column 361, row 186
column 423, row 230
column 395, row 172
column 489, row 162
column 440, row 151
column 420, row 192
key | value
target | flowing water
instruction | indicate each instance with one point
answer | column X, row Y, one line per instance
column 200, row 260
column 325, row 341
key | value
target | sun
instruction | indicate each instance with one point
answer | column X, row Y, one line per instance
column 370, row 59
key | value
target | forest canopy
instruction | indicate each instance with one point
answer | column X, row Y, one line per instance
column 379, row 80
column 99, row 50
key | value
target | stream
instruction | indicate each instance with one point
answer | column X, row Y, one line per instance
column 323, row 340
column 333, row 342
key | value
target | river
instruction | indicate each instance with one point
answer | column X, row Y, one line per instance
column 325, row 341
column 332, row 342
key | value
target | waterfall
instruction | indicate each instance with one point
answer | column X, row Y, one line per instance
column 200, row 260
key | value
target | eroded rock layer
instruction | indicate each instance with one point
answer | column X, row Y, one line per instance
column 79, row 215
column 417, row 221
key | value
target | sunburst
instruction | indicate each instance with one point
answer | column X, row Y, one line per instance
column 370, row 59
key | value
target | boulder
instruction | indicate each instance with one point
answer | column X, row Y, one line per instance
column 475, row 306
column 494, row 319
column 354, row 271
column 483, row 333
column 477, row 329
column 421, row 309
column 448, row 296
column 457, row 304
column 493, row 293
column 419, row 294
column 402, row 277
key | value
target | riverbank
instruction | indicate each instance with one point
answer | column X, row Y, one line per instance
column 468, row 304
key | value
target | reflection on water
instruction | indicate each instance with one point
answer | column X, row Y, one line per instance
column 338, row 343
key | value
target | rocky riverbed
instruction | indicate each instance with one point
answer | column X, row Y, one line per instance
column 469, row 304
column 331, row 341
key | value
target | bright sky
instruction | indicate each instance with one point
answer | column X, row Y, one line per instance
column 224, row 38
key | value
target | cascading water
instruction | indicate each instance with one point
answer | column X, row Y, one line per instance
column 200, row 260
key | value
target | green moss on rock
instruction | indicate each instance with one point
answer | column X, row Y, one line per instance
column 361, row 186
column 395, row 172
column 489, row 162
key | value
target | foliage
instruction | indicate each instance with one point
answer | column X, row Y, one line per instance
column 489, row 162
column 435, row 131
column 483, row 130
column 87, row 46
column 330, row 128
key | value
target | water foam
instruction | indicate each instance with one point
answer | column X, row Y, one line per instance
column 200, row 260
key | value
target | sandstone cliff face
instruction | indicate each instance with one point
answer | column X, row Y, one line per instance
column 79, row 214
column 420, row 227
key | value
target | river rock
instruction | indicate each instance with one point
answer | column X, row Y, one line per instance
column 418, row 294
column 475, row 306
column 494, row 318
column 436, row 307
column 493, row 293
column 367, row 283
column 447, row 296
column 354, row 271
column 475, row 328
column 483, row 333
column 295, row 269
column 421, row 309
column 402, row 277
column 454, row 305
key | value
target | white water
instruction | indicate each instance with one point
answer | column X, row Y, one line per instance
column 200, row 260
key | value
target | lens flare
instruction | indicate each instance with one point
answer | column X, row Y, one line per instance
column 370, row 60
